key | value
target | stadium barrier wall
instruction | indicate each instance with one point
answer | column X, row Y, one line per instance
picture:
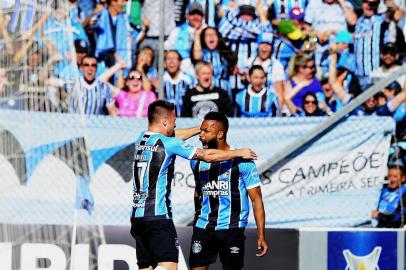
column 112, row 248
column 352, row 249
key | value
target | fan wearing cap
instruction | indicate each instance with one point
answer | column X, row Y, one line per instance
column 282, row 9
column 181, row 37
column 274, row 71
column 289, row 42
column 327, row 17
column 340, row 50
column 389, row 57
column 296, row 14
column 395, row 99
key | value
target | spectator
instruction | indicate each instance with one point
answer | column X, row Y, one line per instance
column 393, row 34
column 330, row 102
column 281, row 10
column 368, row 39
column 114, row 33
column 150, row 11
column 205, row 97
column 176, row 82
column 90, row 95
column 144, row 65
column 288, row 43
column 210, row 47
column 394, row 105
column 275, row 74
column 327, row 17
column 240, row 28
column 182, row 36
column 130, row 100
column 396, row 9
column 301, row 79
column 391, row 211
column 341, row 49
column 389, row 57
column 257, row 100
column 209, row 10
column 309, row 107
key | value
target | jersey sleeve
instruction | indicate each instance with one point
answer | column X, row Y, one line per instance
column 193, row 163
column 250, row 176
column 181, row 148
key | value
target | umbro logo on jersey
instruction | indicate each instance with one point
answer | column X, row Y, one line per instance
column 234, row 250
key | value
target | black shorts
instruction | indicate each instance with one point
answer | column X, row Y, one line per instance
column 156, row 241
column 206, row 244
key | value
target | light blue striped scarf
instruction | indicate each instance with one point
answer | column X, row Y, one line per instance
column 105, row 39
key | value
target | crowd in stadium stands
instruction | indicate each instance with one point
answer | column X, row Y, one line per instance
column 246, row 58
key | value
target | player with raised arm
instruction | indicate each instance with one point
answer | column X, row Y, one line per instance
column 221, row 200
column 155, row 151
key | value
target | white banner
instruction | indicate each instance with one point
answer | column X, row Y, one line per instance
column 333, row 181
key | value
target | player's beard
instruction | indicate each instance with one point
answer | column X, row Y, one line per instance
column 212, row 144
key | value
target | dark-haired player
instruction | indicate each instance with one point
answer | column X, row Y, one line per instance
column 222, row 206
column 155, row 152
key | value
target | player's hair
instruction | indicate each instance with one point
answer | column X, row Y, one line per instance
column 159, row 108
column 220, row 117
column 255, row 67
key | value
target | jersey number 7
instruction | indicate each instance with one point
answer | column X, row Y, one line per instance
column 139, row 180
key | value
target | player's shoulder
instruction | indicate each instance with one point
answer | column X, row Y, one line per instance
column 244, row 164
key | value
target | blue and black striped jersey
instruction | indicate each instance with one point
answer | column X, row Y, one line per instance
column 175, row 89
column 154, row 160
column 262, row 104
column 222, row 190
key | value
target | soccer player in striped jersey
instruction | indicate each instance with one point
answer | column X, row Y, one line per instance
column 155, row 151
column 222, row 206
column 257, row 100
column 89, row 95
column 176, row 82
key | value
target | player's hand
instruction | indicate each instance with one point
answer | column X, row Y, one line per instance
column 262, row 248
column 247, row 153
column 374, row 213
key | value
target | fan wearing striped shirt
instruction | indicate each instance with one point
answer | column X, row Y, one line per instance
column 257, row 100
column 90, row 95
column 176, row 81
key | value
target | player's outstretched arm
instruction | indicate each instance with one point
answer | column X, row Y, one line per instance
column 259, row 214
column 186, row 133
column 215, row 155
